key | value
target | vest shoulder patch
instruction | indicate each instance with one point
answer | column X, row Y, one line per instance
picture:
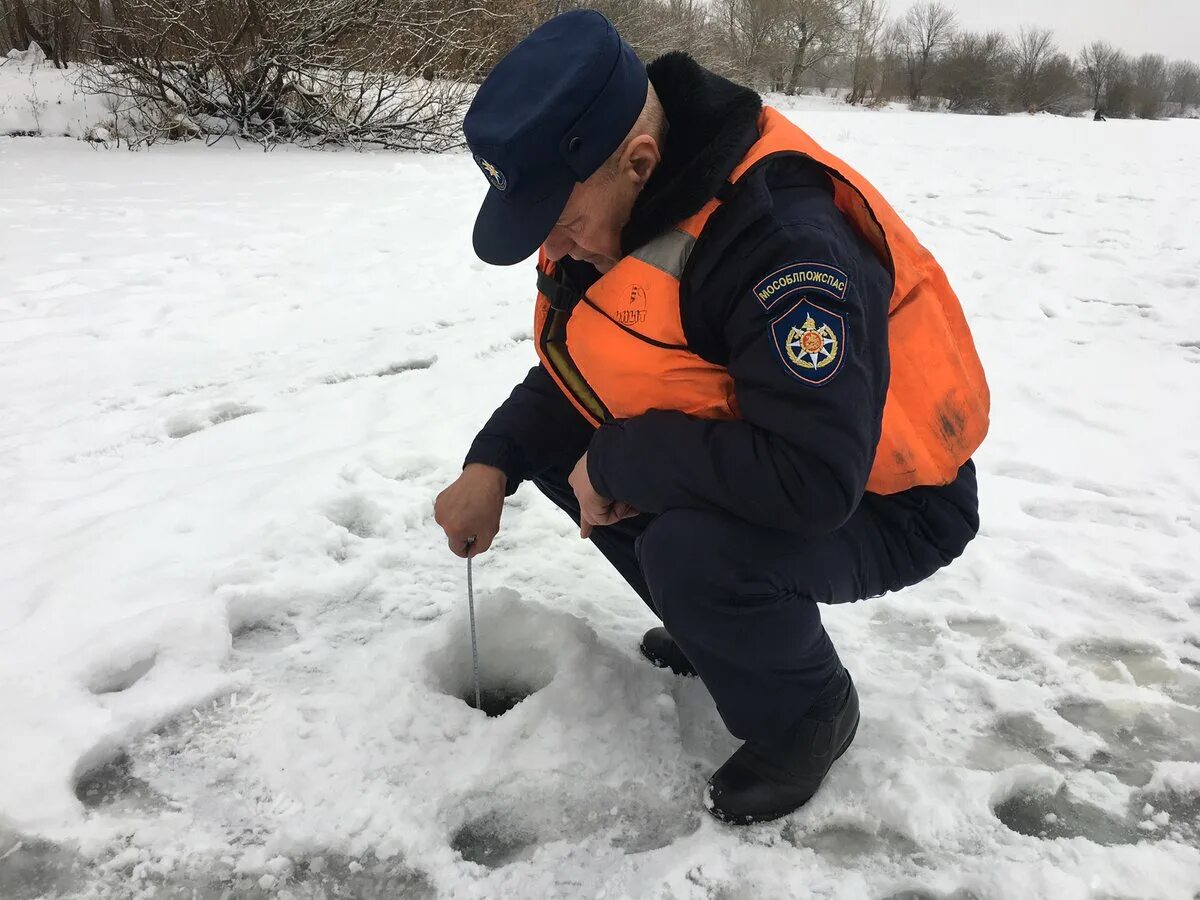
column 801, row 276
column 810, row 341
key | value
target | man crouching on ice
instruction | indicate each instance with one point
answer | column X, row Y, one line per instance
column 757, row 390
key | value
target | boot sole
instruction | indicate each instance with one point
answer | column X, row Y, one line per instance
column 771, row 817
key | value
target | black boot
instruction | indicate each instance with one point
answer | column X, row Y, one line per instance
column 766, row 780
column 660, row 648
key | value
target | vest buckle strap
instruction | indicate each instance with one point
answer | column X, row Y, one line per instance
column 561, row 297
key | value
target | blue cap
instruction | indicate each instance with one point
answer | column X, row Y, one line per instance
column 548, row 116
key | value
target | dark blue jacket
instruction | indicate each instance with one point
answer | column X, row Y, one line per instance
column 799, row 458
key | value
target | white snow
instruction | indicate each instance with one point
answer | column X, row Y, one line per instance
column 38, row 99
column 233, row 644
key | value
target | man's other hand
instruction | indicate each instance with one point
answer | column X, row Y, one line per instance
column 595, row 510
column 471, row 508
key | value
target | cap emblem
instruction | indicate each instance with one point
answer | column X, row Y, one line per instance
column 494, row 176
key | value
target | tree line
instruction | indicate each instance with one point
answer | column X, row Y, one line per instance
column 920, row 56
column 397, row 73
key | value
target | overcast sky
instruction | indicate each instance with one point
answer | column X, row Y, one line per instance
column 1170, row 27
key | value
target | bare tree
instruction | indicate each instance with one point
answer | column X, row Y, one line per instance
column 1120, row 89
column 866, row 32
column 925, row 31
column 1151, row 85
column 1043, row 77
column 1034, row 48
column 974, row 73
column 751, row 26
column 1098, row 62
column 811, row 31
column 1185, row 85
column 893, row 64
column 54, row 25
column 653, row 27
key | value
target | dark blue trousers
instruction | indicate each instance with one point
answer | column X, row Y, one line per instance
column 741, row 600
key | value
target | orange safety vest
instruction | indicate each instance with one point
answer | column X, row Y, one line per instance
column 621, row 350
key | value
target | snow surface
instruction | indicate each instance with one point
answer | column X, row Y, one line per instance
column 233, row 645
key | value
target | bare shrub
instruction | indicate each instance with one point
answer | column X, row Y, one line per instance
column 1185, row 85
column 386, row 73
column 975, row 72
column 1120, row 92
column 1151, row 85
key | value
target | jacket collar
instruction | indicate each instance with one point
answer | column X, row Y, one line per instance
column 712, row 123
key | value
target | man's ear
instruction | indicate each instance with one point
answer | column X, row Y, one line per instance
column 641, row 158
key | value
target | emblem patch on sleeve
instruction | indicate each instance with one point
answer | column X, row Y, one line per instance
column 801, row 276
column 810, row 341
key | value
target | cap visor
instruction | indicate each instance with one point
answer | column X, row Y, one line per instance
column 508, row 232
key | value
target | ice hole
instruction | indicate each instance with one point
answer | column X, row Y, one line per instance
column 502, row 685
column 495, row 701
column 516, row 654
column 493, row 841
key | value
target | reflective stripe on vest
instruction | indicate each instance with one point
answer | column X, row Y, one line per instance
column 621, row 350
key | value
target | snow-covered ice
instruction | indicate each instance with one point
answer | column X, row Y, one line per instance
column 233, row 646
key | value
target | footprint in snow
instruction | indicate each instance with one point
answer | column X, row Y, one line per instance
column 113, row 787
column 979, row 627
column 847, row 844
column 1012, row 661
column 511, row 823
column 359, row 514
column 32, row 868
column 313, row 876
column 1097, row 512
column 906, row 631
column 1038, row 475
column 1019, row 738
column 396, row 368
column 185, row 423
column 1191, row 646
column 364, row 878
column 1142, row 664
column 264, row 637
column 1136, row 736
column 121, row 678
column 492, row 840
column 1172, row 811
column 1060, row 815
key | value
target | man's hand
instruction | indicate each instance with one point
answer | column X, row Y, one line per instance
column 470, row 508
column 595, row 510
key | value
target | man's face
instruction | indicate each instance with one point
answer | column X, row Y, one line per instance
column 589, row 228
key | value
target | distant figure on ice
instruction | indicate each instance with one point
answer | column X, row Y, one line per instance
column 1099, row 117
column 757, row 391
